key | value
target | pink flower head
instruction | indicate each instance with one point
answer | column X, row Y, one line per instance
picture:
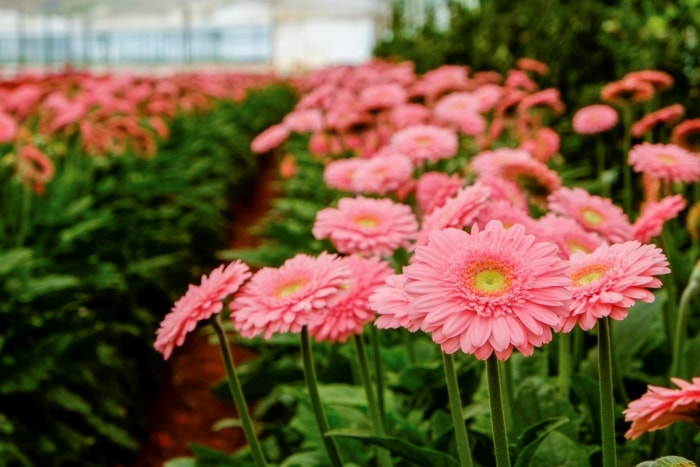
column 502, row 189
column 544, row 145
column 530, row 64
column 384, row 173
column 340, row 174
column 200, row 302
column 531, row 175
column 269, row 139
column 8, row 127
column 409, row 114
column 347, row 314
column 660, row 407
column 461, row 109
column 654, row 214
column 607, row 282
column 434, row 188
column 594, row 213
column 34, row 168
column 667, row 115
column 303, row 121
column 687, row 135
column 507, row 214
column 366, row 226
column 550, row 97
column 660, row 80
column 425, row 143
column 392, row 303
column 568, row 234
column 444, row 79
column 487, row 96
column 279, row 300
column 458, row 211
column 667, row 162
column 628, row 89
column 595, row 119
column 518, row 79
column 382, row 96
column 488, row 291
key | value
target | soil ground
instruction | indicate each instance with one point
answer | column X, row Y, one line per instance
column 184, row 409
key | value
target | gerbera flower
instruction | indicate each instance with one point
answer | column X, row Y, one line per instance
column 382, row 96
column 667, row 162
column 550, row 97
column 8, row 127
column 508, row 214
column 383, row 173
column 518, row 79
column 434, row 188
column 667, row 115
column 657, row 78
column 303, row 120
column 408, row 114
column 279, row 300
column 488, row 291
column 502, row 189
column 459, row 211
column 594, row 119
column 543, row 145
column 269, row 139
column 199, row 303
column 607, row 282
column 568, row 234
column 366, row 226
column 425, row 143
column 660, row 407
column 462, row 110
column 392, row 302
column 487, row 96
column 347, row 314
column 687, row 135
column 654, row 214
column 340, row 174
column 530, row 64
column 34, row 168
column 593, row 212
column 627, row 90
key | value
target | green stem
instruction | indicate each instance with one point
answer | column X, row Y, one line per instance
column 617, row 374
column 315, row 398
column 677, row 363
column 234, row 385
column 463, row 449
column 505, row 369
column 564, row 364
column 669, row 283
column 378, row 372
column 626, row 168
column 408, row 341
column 383, row 456
column 607, row 403
column 600, row 155
column 498, row 419
column 24, row 214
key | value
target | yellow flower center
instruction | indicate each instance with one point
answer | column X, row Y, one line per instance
column 367, row 221
column 488, row 277
column 423, row 141
column 574, row 247
column 666, row 159
column 592, row 217
column 588, row 274
column 289, row 288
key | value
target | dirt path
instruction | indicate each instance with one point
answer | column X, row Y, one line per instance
column 185, row 410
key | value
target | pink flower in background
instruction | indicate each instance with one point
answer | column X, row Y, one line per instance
column 487, row 96
column 340, row 174
column 607, row 282
column 628, row 89
column 8, row 127
column 199, row 303
column 518, row 79
column 461, row 109
column 660, row 80
column 568, row 234
column 667, row 115
column 269, row 139
column 594, row 213
column 530, row 64
column 488, row 291
column 458, row 211
column 391, row 302
column 434, row 188
column 280, row 300
column 594, row 119
column 425, row 143
column 303, row 121
column 650, row 222
column 366, row 226
column 667, row 162
column 687, row 135
column 491, row 163
column 34, row 168
column 507, row 214
column 382, row 96
column 502, row 189
column 543, row 145
column 660, row 407
column 384, row 173
column 409, row 114
column 550, row 98
column 347, row 314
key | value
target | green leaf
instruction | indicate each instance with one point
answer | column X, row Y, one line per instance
column 532, row 437
column 305, row 459
column 558, row 450
column 44, row 285
column 6, row 426
column 84, row 228
column 415, row 454
column 68, row 400
column 11, row 259
column 181, row 462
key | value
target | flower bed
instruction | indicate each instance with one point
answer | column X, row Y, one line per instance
column 117, row 191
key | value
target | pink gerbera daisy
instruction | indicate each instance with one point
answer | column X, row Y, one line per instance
column 488, row 291
column 384, row 173
column 382, row 96
column 607, row 282
column 594, row 213
column 502, row 189
column 594, row 119
column 434, row 188
column 508, row 214
column 8, row 127
column 340, row 174
column 667, row 162
column 279, row 300
column 34, row 168
column 200, row 302
column 391, row 302
column 568, row 234
column 660, row 407
column 304, row 121
column 426, row 143
column 269, row 139
column 654, row 214
column 408, row 114
column 366, row 226
column 459, row 211
column 348, row 313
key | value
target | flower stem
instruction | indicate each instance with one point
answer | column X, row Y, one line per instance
column 234, row 385
column 692, row 289
column 625, row 165
column 607, row 403
column 378, row 372
column 463, row 449
column 315, row 398
column 383, row 456
column 498, row 418
column 600, row 156
column 564, row 364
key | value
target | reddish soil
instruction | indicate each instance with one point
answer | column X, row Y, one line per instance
column 184, row 409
